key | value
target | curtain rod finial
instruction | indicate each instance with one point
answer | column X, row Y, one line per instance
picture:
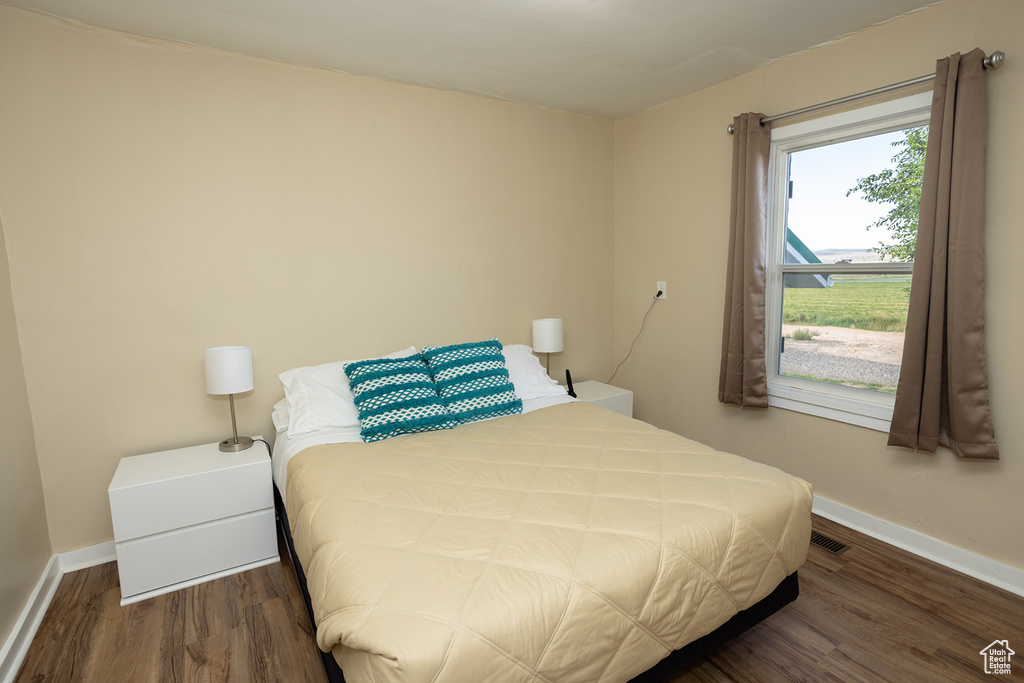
column 731, row 129
column 994, row 60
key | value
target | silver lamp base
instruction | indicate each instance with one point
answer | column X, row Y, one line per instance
column 234, row 445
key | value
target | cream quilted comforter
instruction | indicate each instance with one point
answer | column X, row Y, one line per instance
column 567, row 544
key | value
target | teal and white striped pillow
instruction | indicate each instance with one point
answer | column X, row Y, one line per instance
column 396, row 396
column 472, row 380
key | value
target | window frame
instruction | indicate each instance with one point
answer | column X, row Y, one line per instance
column 863, row 407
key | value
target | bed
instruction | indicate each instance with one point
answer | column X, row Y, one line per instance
column 566, row 543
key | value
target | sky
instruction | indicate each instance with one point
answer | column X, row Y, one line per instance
column 820, row 213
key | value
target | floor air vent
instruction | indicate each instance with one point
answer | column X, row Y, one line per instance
column 829, row 544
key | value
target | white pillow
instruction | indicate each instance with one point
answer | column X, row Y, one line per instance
column 527, row 374
column 318, row 397
column 280, row 415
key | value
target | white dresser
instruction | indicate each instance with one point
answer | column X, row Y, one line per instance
column 189, row 515
column 605, row 395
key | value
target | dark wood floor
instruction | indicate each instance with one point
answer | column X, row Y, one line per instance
column 875, row 613
column 246, row 627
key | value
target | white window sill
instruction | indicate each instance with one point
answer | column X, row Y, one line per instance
column 859, row 407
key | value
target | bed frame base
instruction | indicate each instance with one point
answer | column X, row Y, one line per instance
column 785, row 593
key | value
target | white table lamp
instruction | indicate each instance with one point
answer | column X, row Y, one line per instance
column 547, row 337
column 229, row 371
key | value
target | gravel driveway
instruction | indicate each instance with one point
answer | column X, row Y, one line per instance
column 831, row 366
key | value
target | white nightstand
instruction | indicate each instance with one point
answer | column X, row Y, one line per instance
column 186, row 516
column 605, row 395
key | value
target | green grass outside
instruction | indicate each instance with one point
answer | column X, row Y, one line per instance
column 871, row 302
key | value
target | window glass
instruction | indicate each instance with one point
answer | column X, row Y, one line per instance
column 849, row 332
column 850, row 199
column 853, row 202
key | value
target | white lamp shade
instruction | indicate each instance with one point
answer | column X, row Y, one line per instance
column 547, row 335
column 228, row 369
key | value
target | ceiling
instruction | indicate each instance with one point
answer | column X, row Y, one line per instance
column 609, row 58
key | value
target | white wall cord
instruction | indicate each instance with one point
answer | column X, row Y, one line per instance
column 630, row 353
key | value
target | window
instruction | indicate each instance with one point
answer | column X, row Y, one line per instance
column 838, row 272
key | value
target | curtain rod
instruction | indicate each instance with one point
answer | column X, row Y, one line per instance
column 993, row 61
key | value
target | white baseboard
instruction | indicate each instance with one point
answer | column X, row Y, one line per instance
column 980, row 567
column 16, row 647
column 89, row 556
column 14, row 650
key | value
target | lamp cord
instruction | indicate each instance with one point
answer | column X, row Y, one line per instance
column 269, row 452
column 277, row 512
column 630, row 353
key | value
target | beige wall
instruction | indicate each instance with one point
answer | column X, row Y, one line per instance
column 160, row 198
column 24, row 540
column 671, row 222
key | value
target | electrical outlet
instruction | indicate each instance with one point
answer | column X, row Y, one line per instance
column 663, row 288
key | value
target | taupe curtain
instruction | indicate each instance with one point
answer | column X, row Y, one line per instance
column 942, row 396
column 742, row 380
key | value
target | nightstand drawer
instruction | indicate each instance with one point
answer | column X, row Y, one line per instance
column 147, row 564
column 237, row 485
